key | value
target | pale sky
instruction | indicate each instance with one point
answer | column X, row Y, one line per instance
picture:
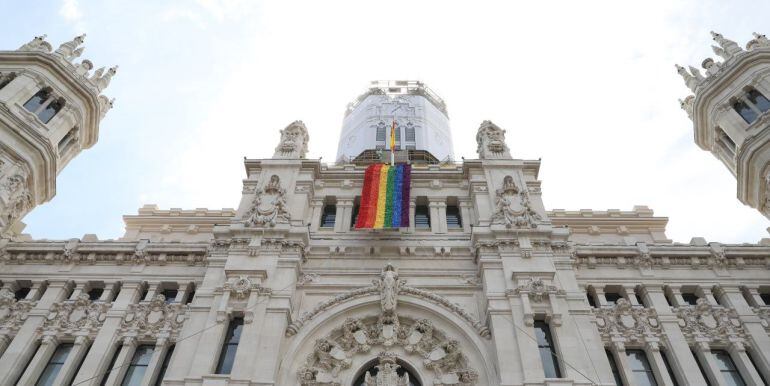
column 589, row 87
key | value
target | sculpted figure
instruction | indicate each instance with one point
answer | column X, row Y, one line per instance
column 294, row 140
column 37, row 44
column 389, row 286
column 69, row 50
column 512, row 207
column 729, row 47
column 710, row 66
column 387, row 373
column 491, row 142
column 269, row 205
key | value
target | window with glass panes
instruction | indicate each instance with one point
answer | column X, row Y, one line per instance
column 230, row 346
column 170, row 295
column 547, row 350
column 329, row 216
column 640, row 368
column 453, row 219
column 758, row 100
column 138, row 365
column 614, row 366
column 54, row 365
column 727, row 367
column 690, row 298
column 612, row 298
column 746, row 112
column 421, row 216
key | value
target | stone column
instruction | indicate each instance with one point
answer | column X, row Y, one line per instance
column 532, row 367
column 105, row 345
column 77, row 353
column 466, row 206
column 412, row 210
column 652, row 350
column 743, row 363
column 115, row 377
column 630, row 292
column 708, row 362
column 618, row 349
column 209, row 346
column 755, row 297
column 315, row 217
column 435, row 217
column 156, row 362
column 676, row 291
column 752, row 324
column 506, row 347
column 39, row 361
column 679, row 355
column 600, row 298
column 4, row 340
column 204, row 310
column 344, row 213
column 23, row 345
column 245, row 358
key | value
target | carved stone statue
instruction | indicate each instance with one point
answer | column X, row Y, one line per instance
column 491, row 142
column 104, row 80
column 759, row 41
column 387, row 373
column 689, row 79
column 512, row 207
column 294, row 140
column 15, row 197
column 37, row 44
column 69, row 50
column 269, row 205
column 729, row 47
column 389, row 286
column 710, row 66
column 686, row 105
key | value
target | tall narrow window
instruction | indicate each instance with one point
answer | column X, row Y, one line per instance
column 67, row 141
column 51, row 110
column 727, row 368
column 138, row 366
column 356, row 209
column 227, row 356
column 21, row 293
column 95, row 294
column 765, row 298
column 329, row 216
column 409, row 132
column 54, row 365
column 37, row 100
column 700, row 367
column 669, row 369
column 381, row 131
column 759, row 100
column 164, row 366
column 745, row 111
column 421, row 217
column 640, row 368
column 690, row 299
column 547, row 350
column 614, row 367
column 453, row 219
column 612, row 298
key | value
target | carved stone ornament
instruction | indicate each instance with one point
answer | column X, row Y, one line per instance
column 706, row 322
column 80, row 314
column 332, row 354
column 240, row 287
column 512, row 207
column 154, row 319
column 269, row 205
column 491, row 142
column 635, row 324
column 13, row 313
column 294, row 140
column 387, row 372
column 38, row 44
column 15, row 196
column 389, row 287
column 537, row 290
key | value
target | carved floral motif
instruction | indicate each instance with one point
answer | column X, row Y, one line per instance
column 636, row 324
column 13, row 313
column 240, row 287
column 154, row 319
column 513, row 208
column 80, row 314
column 269, row 205
column 537, row 290
column 704, row 321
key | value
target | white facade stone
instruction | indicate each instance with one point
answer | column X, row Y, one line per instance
column 320, row 305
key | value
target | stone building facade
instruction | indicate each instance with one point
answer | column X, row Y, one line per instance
column 729, row 108
column 486, row 286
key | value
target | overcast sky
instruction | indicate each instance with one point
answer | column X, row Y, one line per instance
column 588, row 86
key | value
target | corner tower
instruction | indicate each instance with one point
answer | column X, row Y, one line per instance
column 729, row 109
column 50, row 109
column 422, row 124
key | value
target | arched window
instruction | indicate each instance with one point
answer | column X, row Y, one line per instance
column 51, row 110
column 38, row 100
column 381, row 131
column 44, row 105
column 373, row 367
column 410, row 132
column 758, row 100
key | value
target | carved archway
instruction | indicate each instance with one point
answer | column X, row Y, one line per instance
column 444, row 348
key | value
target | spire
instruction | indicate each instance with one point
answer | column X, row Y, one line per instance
column 710, row 66
column 689, row 80
column 687, row 105
column 759, row 41
column 696, row 73
column 730, row 47
column 37, row 44
column 68, row 50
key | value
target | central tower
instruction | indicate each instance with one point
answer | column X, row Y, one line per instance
column 422, row 123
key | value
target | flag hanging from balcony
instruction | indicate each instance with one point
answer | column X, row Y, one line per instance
column 385, row 197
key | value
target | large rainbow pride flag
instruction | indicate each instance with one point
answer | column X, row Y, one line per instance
column 385, row 197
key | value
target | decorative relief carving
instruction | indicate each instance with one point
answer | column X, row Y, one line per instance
column 389, row 287
column 764, row 316
column 635, row 324
column 15, row 196
column 294, row 140
column 512, row 207
column 537, row 290
column 240, row 287
column 491, row 142
column 441, row 355
column 387, row 372
column 80, row 314
column 13, row 313
column 154, row 319
column 269, row 205
column 704, row 321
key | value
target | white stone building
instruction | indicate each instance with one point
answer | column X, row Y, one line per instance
column 485, row 287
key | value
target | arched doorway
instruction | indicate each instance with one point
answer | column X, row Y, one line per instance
column 387, row 367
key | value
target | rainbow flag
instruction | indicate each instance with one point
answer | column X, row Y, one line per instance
column 385, row 197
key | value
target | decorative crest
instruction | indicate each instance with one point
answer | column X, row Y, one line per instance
column 269, row 205
column 513, row 208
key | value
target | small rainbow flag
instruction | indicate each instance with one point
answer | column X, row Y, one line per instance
column 385, row 197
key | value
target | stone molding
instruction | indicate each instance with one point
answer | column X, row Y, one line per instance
column 513, row 208
column 623, row 322
column 269, row 205
column 705, row 322
column 537, row 290
column 13, row 313
column 78, row 316
column 78, row 252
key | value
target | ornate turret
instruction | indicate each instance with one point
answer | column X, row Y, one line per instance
column 50, row 109
column 729, row 113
